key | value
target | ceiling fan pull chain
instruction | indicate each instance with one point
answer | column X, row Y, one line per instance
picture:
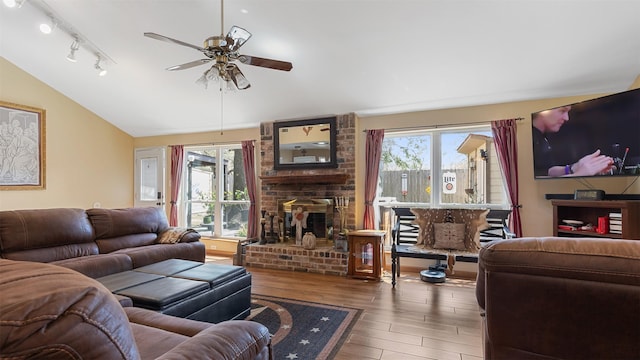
column 221, row 110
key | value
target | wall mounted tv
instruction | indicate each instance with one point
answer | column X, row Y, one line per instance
column 593, row 138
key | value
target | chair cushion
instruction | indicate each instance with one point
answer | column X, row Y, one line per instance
column 449, row 236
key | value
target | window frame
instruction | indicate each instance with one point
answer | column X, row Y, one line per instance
column 218, row 229
column 435, row 157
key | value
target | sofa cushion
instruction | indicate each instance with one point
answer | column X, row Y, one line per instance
column 96, row 266
column 125, row 241
column 46, row 235
column 145, row 255
column 126, row 228
column 111, row 223
column 49, row 312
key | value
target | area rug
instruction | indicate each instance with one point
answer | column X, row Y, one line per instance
column 301, row 329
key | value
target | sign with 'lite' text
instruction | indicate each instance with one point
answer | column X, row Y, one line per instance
column 449, row 183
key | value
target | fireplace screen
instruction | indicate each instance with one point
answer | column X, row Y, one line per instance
column 319, row 217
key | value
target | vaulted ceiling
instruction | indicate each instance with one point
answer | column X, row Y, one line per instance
column 364, row 56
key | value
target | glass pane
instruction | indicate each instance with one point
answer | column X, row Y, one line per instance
column 201, row 190
column 235, row 219
column 235, row 183
column 405, row 169
column 469, row 168
column 149, row 179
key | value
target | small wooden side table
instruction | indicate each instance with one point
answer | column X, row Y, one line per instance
column 365, row 254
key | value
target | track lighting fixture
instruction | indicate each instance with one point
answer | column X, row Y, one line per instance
column 48, row 27
column 75, row 45
column 56, row 22
column 101, row 71
column 13, row 3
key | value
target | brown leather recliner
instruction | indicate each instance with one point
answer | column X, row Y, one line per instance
column 50, row 312
column 560, row 298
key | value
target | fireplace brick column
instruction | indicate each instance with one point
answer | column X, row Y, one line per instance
column 346, row 158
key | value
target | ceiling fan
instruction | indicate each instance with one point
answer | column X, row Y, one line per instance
column 222, row 51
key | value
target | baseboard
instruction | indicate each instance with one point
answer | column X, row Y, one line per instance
column 220, row 253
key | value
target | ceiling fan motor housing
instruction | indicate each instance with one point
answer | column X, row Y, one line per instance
column 213, row 42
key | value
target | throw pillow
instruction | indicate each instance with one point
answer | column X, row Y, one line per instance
column 449, row 236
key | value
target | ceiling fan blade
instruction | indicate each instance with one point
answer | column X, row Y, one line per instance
column 236, row 37
column 238, row 77
column 168, row 39
column 189, row 65
column 268, row 63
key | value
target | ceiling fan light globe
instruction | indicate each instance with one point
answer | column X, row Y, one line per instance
column 202, row 80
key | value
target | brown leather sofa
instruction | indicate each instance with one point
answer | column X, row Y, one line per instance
column 95, row 242
column 50, row 312
column 560, row 298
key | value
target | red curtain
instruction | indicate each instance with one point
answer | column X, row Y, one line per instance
column 372, row 159
column 248, row 156
column 177, row 155
column 506, row 143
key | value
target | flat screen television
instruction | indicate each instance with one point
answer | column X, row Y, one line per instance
column 593, row 138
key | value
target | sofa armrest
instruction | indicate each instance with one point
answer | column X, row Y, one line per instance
column 235, row 339
column 173, row 324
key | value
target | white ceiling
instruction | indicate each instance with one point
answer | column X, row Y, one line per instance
column 364, row 56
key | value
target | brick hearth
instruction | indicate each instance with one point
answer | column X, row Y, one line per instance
column 322, row 260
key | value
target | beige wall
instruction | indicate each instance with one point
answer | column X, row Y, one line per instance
column 536, row 211
column 88, row 160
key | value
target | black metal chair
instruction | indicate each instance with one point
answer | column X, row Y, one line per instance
column 498, row 226
column 498, row 229
column 405, row 237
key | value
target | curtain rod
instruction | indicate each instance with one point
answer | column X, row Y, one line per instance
column 212, row 143
column 439, row 126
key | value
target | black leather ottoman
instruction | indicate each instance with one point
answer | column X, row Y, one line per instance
column 188, row 289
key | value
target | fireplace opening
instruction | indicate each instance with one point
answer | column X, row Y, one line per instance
column 319, row 217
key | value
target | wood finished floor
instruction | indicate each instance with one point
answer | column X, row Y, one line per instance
column 415, row 321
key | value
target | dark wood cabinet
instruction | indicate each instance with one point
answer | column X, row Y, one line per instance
column 589, row 211
column 365, row 254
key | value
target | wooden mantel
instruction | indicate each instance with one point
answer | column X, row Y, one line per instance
column 305, row 179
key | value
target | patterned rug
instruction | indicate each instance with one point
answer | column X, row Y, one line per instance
column 303, row 330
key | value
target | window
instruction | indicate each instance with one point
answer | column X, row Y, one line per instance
column 215, row 197
column 441, row 167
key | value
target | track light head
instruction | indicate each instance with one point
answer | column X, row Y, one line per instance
column 101, row 71
column 75, row 45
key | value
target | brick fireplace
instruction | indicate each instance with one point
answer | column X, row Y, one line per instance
column 280, row 186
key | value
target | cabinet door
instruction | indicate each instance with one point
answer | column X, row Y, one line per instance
column 363, row 256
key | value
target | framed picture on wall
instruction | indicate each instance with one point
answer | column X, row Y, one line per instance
column 22, row 147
